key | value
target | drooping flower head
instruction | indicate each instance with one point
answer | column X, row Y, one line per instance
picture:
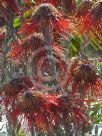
column 10, row 92
column 34, row 46
column 25, row 47
column 85, row 79
column 30, row 101
column 69, row 5
column 7, row 7
column 43, row 15
column 83, row 9
column 48, row 110
column 92, row 20
column 16, row 85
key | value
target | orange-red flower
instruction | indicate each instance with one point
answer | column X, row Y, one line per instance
column 8, row 8
column 69, row 5
column 46, row 14
column 48, row 110
column 24, row 48
column 15, row 86
column 84, row 79
column 35, row 45
column 30, row 101
column 83, row 9
column 12, row 4
column 92, row 20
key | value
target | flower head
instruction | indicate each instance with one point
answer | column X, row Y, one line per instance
column 7, row 7
column 15, row 86
column 30, row 101
column 91, row 22
column 85, row 79
column 11, row 4
column 47, row 110
column 83, row 8
column 45, row 14
column 35, row 45
column 69, row 5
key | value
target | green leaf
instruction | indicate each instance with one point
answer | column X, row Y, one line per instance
column 27, row 13
column 16, row 22
column 74, row 46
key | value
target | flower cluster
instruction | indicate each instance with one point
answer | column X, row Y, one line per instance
column 91, row 21
column 46, row 110
column 84, row 78
column 37, row 42
column 43, row 15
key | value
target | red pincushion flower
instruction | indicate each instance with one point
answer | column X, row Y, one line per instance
column 83, row 9
column 91, row 22
column 47, row 110
column 43, row 15
column 24, row 48
column 30, row 101
column 16, row 85
column 12, row 4
column 69, row 5
column 12, row 89
column 8, row 8
column 35, row 45
column 84, row 78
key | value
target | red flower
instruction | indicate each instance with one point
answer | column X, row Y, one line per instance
column 35, row 44
column 92, row 20
column 12, row 4
column 30, row 101
column 24, row 48
column 7, row 9
column 46, row 14
column 16, row 85
column 48, row 110
column 83, row 8
column 69, row 5
column 84, row 79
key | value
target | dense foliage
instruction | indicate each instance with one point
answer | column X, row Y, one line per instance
column 51, row 66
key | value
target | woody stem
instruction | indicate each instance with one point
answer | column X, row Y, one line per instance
column 48, row 39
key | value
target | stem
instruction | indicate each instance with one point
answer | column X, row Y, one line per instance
column 48, row 39
column 32, row 128
column 34, row 67
column 4, row 63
